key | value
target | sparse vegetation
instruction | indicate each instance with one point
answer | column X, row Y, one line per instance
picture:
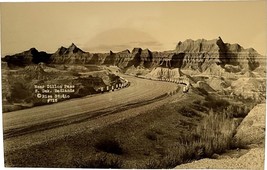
column 212, row 135
column 215, row 103
column 162, row 138
column 21, row 83
column 153, row 134
column 188, row 112
column 101, row 160
column 238, row 111
column 109, row 145
column 196, row 125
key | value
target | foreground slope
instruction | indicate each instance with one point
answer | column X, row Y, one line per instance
column 251, row 134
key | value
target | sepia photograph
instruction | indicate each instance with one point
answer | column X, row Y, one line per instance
column 134, row 85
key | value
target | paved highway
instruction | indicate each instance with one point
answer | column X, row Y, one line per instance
column 35, row 125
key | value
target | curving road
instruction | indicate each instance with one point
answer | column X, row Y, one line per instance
column 35, row 125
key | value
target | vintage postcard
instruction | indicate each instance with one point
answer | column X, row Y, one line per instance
column 138, row 85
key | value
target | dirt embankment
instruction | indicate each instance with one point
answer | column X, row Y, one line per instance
column 250, row 136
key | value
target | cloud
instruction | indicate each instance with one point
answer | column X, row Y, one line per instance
column 154, row 45
column 121, row 38
column 146, row 44
column 107, row 48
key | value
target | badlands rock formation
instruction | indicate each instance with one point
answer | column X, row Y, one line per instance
column 227, row 64
column 71, row 55
column 251, row 131
column 31, row 56
column 200, row 55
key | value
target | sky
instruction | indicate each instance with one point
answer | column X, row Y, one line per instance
column 116, row 26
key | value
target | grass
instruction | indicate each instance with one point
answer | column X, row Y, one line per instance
column 161, row 138
column 151, row 135
column 188, row 112
column 215, row 102
column 216, row 131
column 212, row 135
column 109, row 146
column 100, row 160
column 21, row 83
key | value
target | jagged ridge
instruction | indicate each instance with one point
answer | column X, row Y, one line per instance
column 195, row 55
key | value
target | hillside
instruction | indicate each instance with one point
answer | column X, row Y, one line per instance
column 212, row 65
column 198, row 55
column 31, row 56
column 250, row 134
column 179, row 106
column 19, row 89
column 70, row 55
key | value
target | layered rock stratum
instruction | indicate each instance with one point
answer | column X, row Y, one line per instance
column 198, row 55
column 226, row 67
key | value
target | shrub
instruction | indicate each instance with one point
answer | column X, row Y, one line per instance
column 238, row 111
column 216, row 131
column 212, row 135
column 76, row 73
column 201, row 91
column 214, row 103
column 188, row 112
column 151, row 135
column 19, row 91
column 138, row 74
column 198, row 102
column 99, row 161
column 153, row 164
column 109, row 146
